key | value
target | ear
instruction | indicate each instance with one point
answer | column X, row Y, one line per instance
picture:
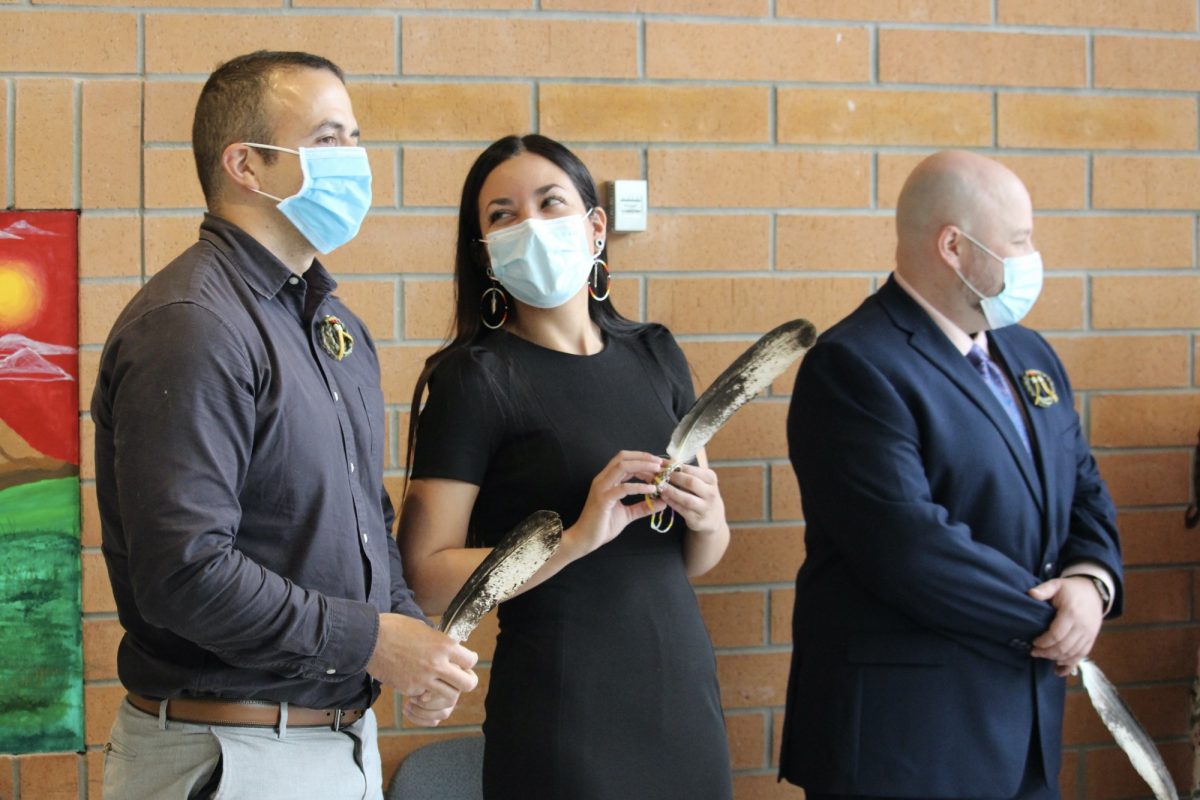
column 950, row 242
column 599, row 220
column 240, row 164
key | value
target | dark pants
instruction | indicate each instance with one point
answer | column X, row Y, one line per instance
column 1033, row 786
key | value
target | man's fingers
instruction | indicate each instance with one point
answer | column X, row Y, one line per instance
column 1044, row 591
column 435, row 701
column 1057, row 631
column 455, row 679
column 462, row 657
column 424, row 717
column 1073, row 645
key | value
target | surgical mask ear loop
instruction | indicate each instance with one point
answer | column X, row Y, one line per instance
column 278, row 149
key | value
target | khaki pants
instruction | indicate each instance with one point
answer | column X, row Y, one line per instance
column 148, row 758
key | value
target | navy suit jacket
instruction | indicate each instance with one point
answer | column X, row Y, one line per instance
column 927, row 524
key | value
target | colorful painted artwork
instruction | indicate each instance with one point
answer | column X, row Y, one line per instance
column 41, row 656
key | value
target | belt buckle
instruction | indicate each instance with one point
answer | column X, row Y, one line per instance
column 337, row 719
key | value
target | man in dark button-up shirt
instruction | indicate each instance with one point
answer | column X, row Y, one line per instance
column 239, row 457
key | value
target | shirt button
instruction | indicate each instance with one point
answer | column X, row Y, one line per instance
column 293, row 280
column 352, row 466
column 330, row 671
column 365, row 538
column 335, row 397
column 1048, row 570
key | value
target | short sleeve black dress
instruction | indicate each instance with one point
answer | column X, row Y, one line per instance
column 603, row 685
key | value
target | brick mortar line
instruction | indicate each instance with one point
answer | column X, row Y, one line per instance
column 722, row 588
column 773, row 116
column 535, row 103
column 1181, row 391
column 1145, row 569
column 1089, row 60
column 753, row 147
column 994, row 97
column 874, row 183
column 637, row 80
column 873, row 54
column 1145, row 450
column 1089, row 184
column 1196, row 239
column 746, row 337
column 773, row 648
column 641, row 48
column 768, row 614
column 535, row 14
column 866, row 212
column 140, row 41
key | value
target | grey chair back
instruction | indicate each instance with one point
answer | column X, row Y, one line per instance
column 450, row 769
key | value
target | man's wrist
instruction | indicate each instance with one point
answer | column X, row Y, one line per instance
column 1101, row 589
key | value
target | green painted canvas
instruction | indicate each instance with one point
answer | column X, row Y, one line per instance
column 41, row 652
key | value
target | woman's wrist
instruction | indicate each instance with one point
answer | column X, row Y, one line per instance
column 572, row 546
column 705, row 533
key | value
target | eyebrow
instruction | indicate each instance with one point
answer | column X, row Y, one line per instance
column 543, row 190
column 337, row 127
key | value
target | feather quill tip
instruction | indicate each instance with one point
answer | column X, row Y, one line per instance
column 1127, row 732
column 512, row 562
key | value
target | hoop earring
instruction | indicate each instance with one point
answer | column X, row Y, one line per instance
column 493, row 307
column 594, row 281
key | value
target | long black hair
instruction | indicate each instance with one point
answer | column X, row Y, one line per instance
column 471, row 258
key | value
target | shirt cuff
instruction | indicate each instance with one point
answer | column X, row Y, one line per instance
column 1095, row 569
column 353, row 633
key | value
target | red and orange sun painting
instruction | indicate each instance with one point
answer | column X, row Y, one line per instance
column 21, row 294
column 39, row 307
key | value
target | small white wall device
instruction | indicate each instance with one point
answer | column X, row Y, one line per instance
column 628, row 203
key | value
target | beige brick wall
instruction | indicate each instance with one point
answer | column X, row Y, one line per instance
column 775, row 135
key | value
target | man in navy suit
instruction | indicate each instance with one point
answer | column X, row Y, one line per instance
column 961, row 545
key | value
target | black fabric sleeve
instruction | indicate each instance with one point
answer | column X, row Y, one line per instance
column 674, row 365
column 461, row 423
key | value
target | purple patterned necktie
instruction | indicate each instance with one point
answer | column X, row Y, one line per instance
column 995, row 381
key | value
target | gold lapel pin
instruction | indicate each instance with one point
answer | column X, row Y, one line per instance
column 1039, row 387
column 335, row 339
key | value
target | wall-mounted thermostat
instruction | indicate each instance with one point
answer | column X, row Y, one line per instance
column 628, row 202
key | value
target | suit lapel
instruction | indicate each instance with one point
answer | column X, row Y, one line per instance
column 928, row 340
column 1040, row 435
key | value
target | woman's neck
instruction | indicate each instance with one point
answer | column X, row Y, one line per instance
column 567, row 328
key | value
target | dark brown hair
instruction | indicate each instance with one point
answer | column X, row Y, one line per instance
column 233, row 108
column 471, row 259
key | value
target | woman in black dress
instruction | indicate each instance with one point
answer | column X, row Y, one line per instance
column 603, row 683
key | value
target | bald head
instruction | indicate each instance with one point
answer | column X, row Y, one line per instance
column 954, row 188
column 948, row 194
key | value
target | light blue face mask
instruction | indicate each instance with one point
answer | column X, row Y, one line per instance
column 1022, row 285
column 542, row 262
column 333, row 199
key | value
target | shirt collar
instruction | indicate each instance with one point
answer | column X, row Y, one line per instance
column 961, row 340
column 265, row 273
